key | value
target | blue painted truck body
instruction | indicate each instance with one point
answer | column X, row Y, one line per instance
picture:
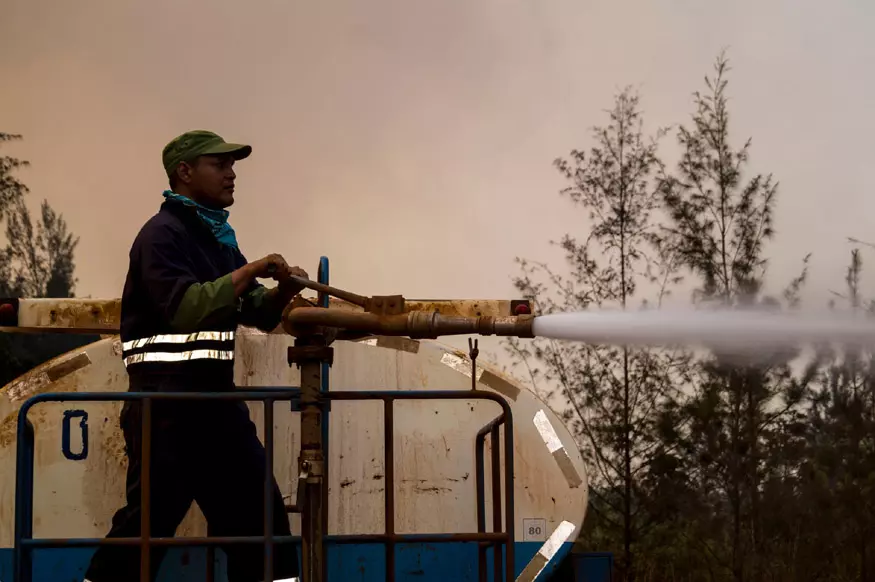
column 347, row 563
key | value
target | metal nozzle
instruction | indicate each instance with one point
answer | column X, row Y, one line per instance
column 299, row 321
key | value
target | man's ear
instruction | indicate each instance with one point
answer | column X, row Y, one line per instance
column 183, row 172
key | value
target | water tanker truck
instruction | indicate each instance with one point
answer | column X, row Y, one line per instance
column 399, row 458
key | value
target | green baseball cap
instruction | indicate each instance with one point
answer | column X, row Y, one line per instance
column 192, row 144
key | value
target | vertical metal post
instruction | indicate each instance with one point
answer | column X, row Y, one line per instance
column 314, row 357
column 323, row 277
column 509, row 515
column 473, row 352
column 268, row 489
column 309, row 354
column 22, row 568
column 211, row 564
column 145, row 489
column 495, row 445
column 389, row 497
column 480, row 479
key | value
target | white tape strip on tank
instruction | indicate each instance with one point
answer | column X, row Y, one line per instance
column 32, row 382
column 554, row 445
column 399, row 343
column 547, row 552
column 460, row 365
column 484, row 376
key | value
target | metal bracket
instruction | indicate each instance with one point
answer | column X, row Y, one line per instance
column 385, row 305
column 303, row 475
column 473, row 352
column 302, row 354
column 310, row 471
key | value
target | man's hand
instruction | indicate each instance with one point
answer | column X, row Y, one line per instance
column 298, row 272
column 272, row 266
column 288, row 287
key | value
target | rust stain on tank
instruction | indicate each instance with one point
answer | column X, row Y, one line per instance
column 8, row 428
column 114, row 445
column 456, row 307
column 431, row 489
column 27, row 384
column 104, row 478
column 71, row 313
column 462, row 307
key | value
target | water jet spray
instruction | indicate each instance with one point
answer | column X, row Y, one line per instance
column 725, row 329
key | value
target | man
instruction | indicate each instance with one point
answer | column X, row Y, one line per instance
column 188, row 287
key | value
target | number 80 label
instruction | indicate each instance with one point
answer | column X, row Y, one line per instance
column 534, row 529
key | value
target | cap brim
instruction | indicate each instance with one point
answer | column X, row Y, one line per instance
column 239, row 151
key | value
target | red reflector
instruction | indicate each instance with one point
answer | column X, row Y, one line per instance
column 8, row 314
column 522, row 309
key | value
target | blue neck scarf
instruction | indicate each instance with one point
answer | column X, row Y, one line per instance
column 216, row 220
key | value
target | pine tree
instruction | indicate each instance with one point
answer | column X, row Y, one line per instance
column 837, row 477
column 37, row 261
column 719, row 224
column 12, row 190
column 614, row 394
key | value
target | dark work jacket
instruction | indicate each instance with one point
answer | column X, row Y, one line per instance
column 172, row 251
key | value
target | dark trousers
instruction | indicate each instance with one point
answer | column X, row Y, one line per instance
column 206, row 452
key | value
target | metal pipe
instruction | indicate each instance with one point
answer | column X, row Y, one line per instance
column 488, row 537
column 303, row 321
column 347, row 296
column 311, row 464
column 208, row 542
column 214, row 541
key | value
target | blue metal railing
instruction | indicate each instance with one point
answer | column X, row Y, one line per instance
column 24, row 478
column 24, row 540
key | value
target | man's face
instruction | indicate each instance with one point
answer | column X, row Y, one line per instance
column 210, row 180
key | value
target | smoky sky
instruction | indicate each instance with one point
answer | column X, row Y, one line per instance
column 412, row 142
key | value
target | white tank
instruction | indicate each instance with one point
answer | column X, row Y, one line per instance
column 434, row 468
